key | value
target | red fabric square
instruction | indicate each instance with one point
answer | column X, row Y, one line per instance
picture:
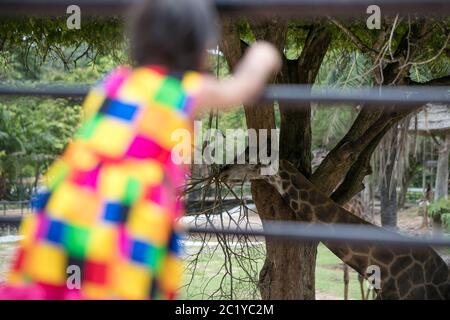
column 18, row 260
column 96, row 272
column 86, row 178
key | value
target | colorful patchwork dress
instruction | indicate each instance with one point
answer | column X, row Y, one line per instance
column 109, row 217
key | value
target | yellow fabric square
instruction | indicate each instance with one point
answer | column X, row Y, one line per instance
column 150, row 222
column 93, row 102
column 102, row 243
column 27, row 230
column 140, row 87
column 149, row 172
column 171, row 274
column 80, row 157
column 111, row 137
column 159, row 123
column 75, row 205
column 94, row 291
column 192, row 82
column 113, row 181
column 46, row 263
column 131, row 281
column 15, row 278
column 63, row 201
column 87, row 210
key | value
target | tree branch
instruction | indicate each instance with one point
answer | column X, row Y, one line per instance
column 352, row 183
column 354, row 38
column 296, row 132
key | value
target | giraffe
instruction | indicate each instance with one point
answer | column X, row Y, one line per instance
column 356, row 206
column 406, row 273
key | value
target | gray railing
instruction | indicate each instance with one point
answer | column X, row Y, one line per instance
column 14, row 208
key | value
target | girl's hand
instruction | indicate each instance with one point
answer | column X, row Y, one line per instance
column 265, row 55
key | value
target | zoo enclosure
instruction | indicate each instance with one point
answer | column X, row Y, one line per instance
column 401, row 96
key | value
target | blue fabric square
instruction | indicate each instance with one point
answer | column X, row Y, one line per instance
column 39, row 201
column 116, row 212
column 139, row 251
column 174, row 243
column 55, row 232
column 119, row 109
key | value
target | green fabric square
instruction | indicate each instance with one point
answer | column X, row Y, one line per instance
column 155, row 257
column 132, row 191
column 88, row 128
column 170, row 93
column 76, row 241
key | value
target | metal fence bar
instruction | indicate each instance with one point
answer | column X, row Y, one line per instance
column 14, row 206
column 297, row 8
column 336, row 233
column 401, row 95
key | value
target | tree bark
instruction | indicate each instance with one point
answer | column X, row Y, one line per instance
column 409, row 173
column 441, row 190
column 388, row 186
column 289, row 268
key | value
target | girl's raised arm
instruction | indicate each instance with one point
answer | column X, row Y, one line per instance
column 260, row 62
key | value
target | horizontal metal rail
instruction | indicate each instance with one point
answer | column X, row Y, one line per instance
column 292, row 8
column 331, row 233
column 290, row 94
column 293, row 231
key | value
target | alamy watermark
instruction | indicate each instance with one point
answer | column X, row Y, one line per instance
column 373, row 273
column 73, row 281
column 74, row 20
column 374, row 20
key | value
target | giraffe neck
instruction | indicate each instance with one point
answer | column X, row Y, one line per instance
column 405, row 273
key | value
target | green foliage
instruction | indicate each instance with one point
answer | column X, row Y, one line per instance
column 441, row 207
column 37, row 40
column 33, row 133
column 445, row 218
column 413, row 197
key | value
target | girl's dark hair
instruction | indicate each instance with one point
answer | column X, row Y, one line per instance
column 173, row 33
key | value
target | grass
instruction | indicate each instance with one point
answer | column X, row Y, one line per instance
column 210, row 270
column 330, row 276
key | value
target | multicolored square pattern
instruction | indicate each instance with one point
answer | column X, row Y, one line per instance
column 111, row 205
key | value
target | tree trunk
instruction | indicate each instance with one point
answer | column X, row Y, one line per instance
column 289, row 268
column 441, row 190
column 388, row 187
column 388, row 197
column 442, row 170
column 409, row 173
